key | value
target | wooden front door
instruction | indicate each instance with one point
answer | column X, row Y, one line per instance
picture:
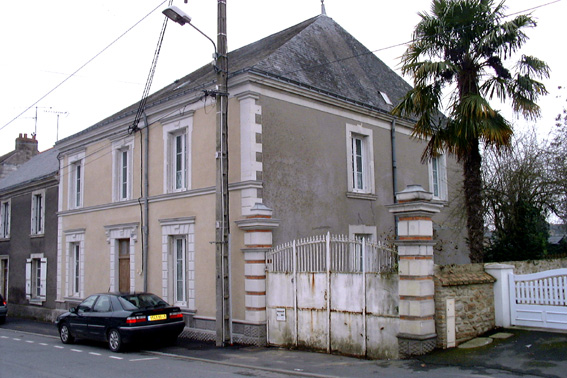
column 124, row 265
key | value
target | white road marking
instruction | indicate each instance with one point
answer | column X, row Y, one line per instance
column 58, row 347
column 95, row 354
column 29, row 341
column 44, row 344
column 144, row 359
column 16, row 339
column 76, row 350
column 116, row 358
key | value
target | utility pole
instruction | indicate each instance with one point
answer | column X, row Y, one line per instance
column 223, row 314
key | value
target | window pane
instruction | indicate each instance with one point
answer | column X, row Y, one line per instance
column 179, row 270
column 435, row 172
column 76, row 267
column 124, row 174
column 357, row 163
column 179, row 166
column 37, row 277
column 78, row 185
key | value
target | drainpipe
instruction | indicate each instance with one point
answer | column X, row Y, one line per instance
column 394, row 161
column 146, row 227
column 394, row 171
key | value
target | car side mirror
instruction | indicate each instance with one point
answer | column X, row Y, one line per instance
column 73, row 310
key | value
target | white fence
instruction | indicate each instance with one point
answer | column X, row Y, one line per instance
column 539, row 299
column 331, row 293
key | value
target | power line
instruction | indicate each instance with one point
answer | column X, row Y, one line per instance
column 83, row 66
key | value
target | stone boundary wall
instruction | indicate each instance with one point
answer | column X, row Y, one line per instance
column 535, row 266
column 472, row 290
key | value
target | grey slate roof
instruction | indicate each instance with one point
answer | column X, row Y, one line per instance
column 38, row 167
column 317, row 54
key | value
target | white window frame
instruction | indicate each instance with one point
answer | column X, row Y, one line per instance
column 353, row 133
column 122, row 169
column 36, row 278
column 38, row 212
column 174, row 230
column 76, row 173
column 5, row 218
column 438, row 177
column 181, row 128
column 74, row 269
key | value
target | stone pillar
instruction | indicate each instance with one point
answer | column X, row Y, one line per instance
column 258, row 227
column 416, row 287
column 501, row 292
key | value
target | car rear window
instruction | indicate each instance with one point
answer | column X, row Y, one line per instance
column 127, row 305
column 141, row 301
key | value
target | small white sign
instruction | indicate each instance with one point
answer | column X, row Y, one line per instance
column 280, row 314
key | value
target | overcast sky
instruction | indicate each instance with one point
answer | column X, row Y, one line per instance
column 44, row 42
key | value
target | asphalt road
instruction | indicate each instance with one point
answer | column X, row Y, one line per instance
column 22, row 353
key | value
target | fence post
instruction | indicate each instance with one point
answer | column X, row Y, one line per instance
column 363, row 269
column 501, row 292
column 257, row 226
column 414, row 209
column 295, row 307
column 328, row 267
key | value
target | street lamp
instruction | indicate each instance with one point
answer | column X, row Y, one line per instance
column 223, row 312
column 177, row 15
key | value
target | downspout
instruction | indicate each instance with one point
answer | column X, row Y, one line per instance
column 394, row 161
column 146, row 227
column 394, row 171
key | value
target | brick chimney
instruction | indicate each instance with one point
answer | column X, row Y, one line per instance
column 27, row 145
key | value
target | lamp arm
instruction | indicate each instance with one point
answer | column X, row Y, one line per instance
column 206, row 36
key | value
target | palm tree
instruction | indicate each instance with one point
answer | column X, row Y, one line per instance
column 461, row 47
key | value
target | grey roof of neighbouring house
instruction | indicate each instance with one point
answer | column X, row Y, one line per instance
column 317, row 54
column 37, row 168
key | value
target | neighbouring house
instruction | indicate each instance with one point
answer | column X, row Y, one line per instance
column 557, row 233
column 26, row 148
column 28, row 236
column 312, row 149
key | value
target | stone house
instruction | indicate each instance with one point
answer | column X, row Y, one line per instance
column 312, row 149
column 28, row 236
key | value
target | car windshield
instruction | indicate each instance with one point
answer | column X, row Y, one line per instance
column 141, row 301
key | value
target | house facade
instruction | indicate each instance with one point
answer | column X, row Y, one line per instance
column 28, row 237
column 312, row 149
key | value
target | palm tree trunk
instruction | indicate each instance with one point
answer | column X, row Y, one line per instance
column 473, row 202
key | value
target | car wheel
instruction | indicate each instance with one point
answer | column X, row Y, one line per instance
column 65, row 334
column 114, row 340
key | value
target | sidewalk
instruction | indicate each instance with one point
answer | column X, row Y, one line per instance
column 525, row 353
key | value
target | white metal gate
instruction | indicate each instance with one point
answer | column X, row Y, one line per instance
column 332, row 293
column 539, row 299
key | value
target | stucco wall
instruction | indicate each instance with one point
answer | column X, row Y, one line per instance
column 306, row 178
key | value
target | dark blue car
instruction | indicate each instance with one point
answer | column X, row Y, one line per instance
column 121, row 319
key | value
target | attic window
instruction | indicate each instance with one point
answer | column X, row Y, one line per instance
column 386, row 98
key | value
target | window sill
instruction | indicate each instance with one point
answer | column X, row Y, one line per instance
column 362, row 196
column 36, row 301
column 33, row 236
